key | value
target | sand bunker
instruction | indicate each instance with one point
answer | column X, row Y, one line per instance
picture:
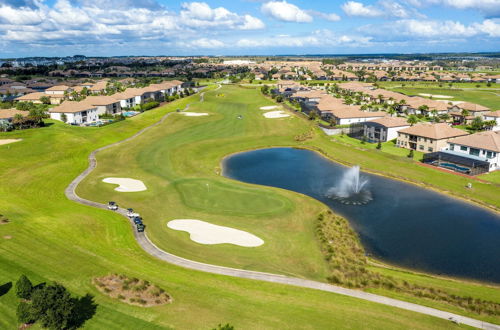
column 436, row 95
column 269, row 107
column 7, row 141
column 194, row 114
column 206, row 233
column 452, row 102
column 126, row 185
column 276, row 114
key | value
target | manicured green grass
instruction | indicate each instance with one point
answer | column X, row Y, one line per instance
column 488, row 96
column 53, row 238
column 387, row 147
column 492, row 177
column 178, row 159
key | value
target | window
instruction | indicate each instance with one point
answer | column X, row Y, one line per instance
column 463, row 148
column 421, row 147
column 430, row 149
column 452, row 146
column 489, row 154
column 474, row 151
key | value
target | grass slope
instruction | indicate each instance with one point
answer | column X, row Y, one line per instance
column 56, row 239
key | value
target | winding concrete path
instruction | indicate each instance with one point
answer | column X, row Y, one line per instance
column 155, row 251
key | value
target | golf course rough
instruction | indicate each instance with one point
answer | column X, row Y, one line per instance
column 94, row 241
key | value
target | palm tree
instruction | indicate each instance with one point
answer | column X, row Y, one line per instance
column 445, row 117
column 489, row 124
column 412, row 120
column 391, row 111
column 464, row 114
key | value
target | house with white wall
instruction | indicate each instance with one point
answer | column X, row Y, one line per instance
column 493, row 115
column 76, row 113
column 58, row 90
column 472, row 154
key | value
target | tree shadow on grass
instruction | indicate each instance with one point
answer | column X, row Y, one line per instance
column 4, row 288
column 85, row 308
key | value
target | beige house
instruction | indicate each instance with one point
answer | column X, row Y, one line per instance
column 427, row 137
column 104, row 104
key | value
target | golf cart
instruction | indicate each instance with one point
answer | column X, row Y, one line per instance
column 140, row 227
column 131, row 214
column 112, row 206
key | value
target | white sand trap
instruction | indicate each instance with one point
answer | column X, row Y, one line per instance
column 436, row 95
column 206, row 233
column 194, row 114
column 126, row 185
column 276, row 114
column 269, row 107
column 7, row 141
column 452, row 102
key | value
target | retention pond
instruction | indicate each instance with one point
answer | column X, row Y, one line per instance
column 401, row 224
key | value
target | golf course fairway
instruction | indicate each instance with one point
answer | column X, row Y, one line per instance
column 55, row 239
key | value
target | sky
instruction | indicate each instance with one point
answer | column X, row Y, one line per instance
column 246, row 27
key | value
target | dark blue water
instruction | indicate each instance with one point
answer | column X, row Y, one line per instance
column 404, row 224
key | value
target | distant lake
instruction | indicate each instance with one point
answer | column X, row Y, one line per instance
column 404, row 224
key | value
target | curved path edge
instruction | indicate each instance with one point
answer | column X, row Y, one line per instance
column 148, row 246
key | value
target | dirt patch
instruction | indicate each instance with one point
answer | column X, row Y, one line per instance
column 7, row 237
column 132, row 291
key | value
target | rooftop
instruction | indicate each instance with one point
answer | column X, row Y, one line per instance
column 434, row 131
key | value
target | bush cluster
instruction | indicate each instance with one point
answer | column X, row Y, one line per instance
column 349, row 267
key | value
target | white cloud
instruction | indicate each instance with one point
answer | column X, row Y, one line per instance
column 202, row 43
column 353, row 8
column 200, row 14
column 252, row 23
column 490, row 8
column 318, row 38
column 26, row 16
column 287, row 12
column 414, row 29
column 87, row 23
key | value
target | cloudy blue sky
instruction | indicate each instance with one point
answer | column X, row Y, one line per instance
column 239, row 27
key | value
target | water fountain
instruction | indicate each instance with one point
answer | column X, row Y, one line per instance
column 352, row 188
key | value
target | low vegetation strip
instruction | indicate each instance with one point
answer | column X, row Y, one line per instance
column 349, row 267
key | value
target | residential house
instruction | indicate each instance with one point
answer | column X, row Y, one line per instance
column 427, row 137
column 76, row 113
column 104, row 104
column 471, row 154
column 6, row 115
column 59, row 90
column 130, row 97
column 493, row 115
column 384, row 129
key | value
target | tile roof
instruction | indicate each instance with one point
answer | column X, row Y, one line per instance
column 434, row 131
column 489, row 140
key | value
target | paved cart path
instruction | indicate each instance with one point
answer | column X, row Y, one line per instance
column 155, row 251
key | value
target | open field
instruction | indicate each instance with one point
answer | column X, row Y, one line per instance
column 55, row 239
column 179, row 161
